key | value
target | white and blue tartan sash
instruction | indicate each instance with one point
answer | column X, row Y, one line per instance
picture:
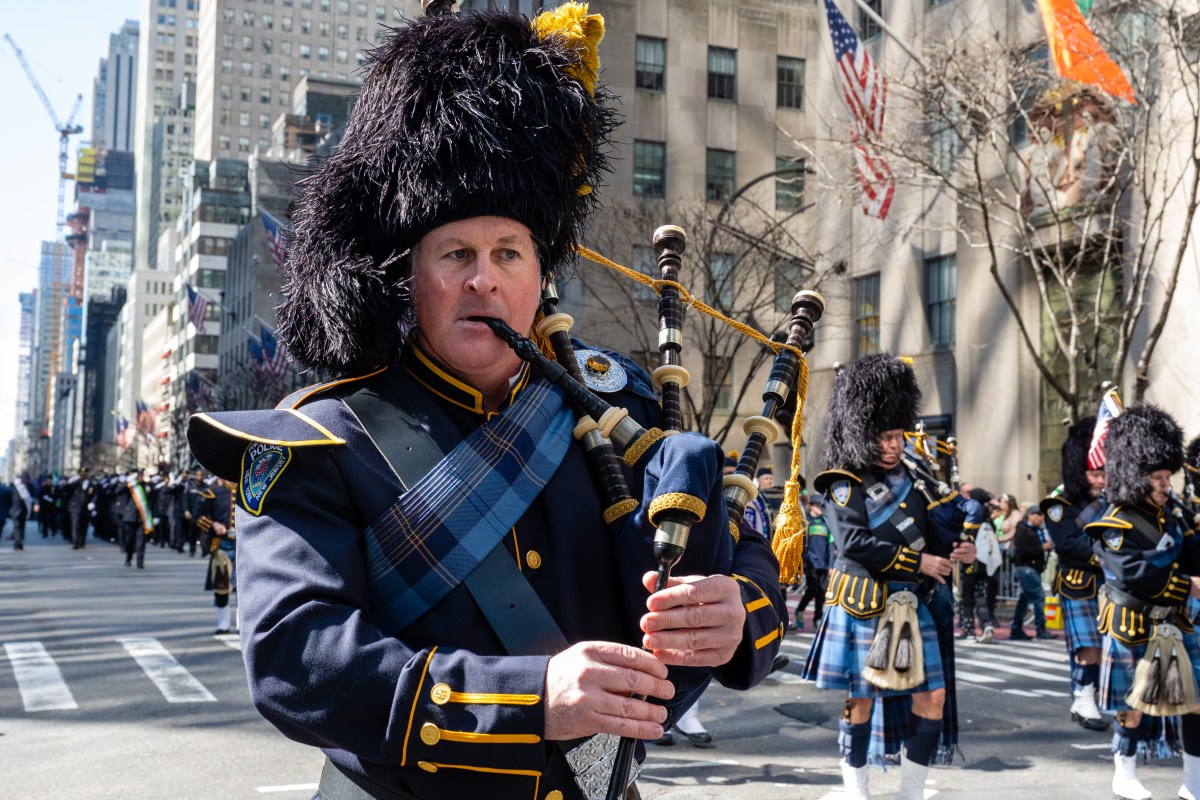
column 439, row 530
column 881, row 507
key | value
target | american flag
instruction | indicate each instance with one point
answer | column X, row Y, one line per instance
column 197, row 306
column 865, row 90
column 147, row 420
column 199, row 392
column 276, row 233
column 256, row 352
column 123, row 437
column 1110, row 408
column 274, row 353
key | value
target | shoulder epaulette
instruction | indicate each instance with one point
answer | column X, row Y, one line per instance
column 824, row 480
column 1111, row 519
column 301, row 396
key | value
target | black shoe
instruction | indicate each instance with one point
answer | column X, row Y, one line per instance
column 1090, row 724
column 703, row 739
column 1019, row 636
column 141, row 566
column 666, row 740
column 220, row 631
column 18, row 545
column 1045, row 635
column 128, row 563
column 780, row 662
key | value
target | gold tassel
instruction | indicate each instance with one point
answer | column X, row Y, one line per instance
column 791, row 526
column 542, row 342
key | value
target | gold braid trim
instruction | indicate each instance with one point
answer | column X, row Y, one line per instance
column 639, row 447
column 734, row 532
column 791, row 526
column 619, row 509
column 672, row 501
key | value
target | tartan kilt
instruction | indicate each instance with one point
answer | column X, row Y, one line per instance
column 839, row 653
column 1079, row 622
column 1120, row 662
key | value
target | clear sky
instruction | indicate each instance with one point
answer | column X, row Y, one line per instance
column 63, row 40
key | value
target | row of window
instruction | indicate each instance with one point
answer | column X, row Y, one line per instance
column 305, row 52
column 650, row 72
column 324, row 30
column 940, row 292
column 720, row 175
column 229, row 15
column 225, row 143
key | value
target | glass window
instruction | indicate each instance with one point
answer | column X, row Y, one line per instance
column 268, row 45
column 649, row 169
column 211, row 278
column 285, row 75
column 248, row 19
column 244, row 94
column 264, row 120
column 324, row 30
column 719, row 172
column 305, row 26
column 790, row 274
column 285, row 48
column 343, row 32
column 719, row 291
column 941, row 279
column 343, row 6
column 228, row 15
column 789, row 83
column 268, row 21
column 243, row 144
column 867, row 27
column 248, row 44
column 789, row 187
column 324, row 5
column 226, row 66
column 285, row 23
column 650, row 67
column 226, row 42
column 322, row 54
column 722, row 73
column 646, row 262
column 226, row 91
column 360, row 9
column 866, row 315
column 226, row 116
column 247, row 69
column 266, row 71
column 305, row 51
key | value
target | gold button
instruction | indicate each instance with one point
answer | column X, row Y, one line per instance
column 554, row 795
column 430, row 734
column 534, row 559
column 425, row 765
column 440, row 693
column 904, row 505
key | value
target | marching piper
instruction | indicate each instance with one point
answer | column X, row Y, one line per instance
column 1078, row 501
column 878, row 638
column 1151, row 561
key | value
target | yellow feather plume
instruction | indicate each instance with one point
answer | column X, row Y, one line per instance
column 582, row 31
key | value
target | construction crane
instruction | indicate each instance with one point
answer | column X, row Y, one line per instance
column 65, row 131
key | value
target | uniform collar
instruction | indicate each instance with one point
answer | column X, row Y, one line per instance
column 434, row 377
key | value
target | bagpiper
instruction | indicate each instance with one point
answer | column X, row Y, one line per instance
column 1151, row 560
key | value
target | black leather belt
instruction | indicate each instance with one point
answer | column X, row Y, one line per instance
column 1124, row 598
column 339, row 784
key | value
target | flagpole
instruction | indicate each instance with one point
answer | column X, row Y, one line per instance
column 883, row 26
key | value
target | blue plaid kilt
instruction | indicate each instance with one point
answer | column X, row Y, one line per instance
column 1118, row 666
column 839, row 653
column 1079, row 622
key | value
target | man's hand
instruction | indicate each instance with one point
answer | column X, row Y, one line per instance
column 964, row 552
column 696, row 621
column 935, row 567
column 588, row 688
column 219, row 528
column 1195, row 590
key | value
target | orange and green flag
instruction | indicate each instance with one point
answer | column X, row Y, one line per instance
column 1077, row 54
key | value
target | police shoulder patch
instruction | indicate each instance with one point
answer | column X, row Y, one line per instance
column 1055, row 513
column 601, row 371
column 1114, row 538
column 840, row 492
column 262, row 464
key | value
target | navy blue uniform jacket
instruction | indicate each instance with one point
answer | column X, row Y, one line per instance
column 439, row 709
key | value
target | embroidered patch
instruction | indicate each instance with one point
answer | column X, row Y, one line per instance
column 840, row 492
column 601, row 371
column 1114, row 538
column 262, row 464
column 1055, row 513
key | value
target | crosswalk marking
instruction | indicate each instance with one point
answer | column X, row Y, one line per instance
column 38, row 678
column 1028, row 673
column 974, row 677
column 176, row 683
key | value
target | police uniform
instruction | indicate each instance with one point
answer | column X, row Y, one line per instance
column 363, row 632
column 216, row 505
column 1078, row 576
column 1148, row 554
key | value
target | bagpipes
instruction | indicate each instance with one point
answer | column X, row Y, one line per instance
column 610, row 436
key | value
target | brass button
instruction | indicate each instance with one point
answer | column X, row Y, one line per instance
column 904, row 505
column 597, row 365
column 533, row 558
column 440, row 694
column 425, row 765
column 430, row 734
column 554, row 795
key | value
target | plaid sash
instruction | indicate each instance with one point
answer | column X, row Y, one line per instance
column 440, row 530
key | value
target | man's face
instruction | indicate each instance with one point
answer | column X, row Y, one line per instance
column 482, row 266
column 1160, row 486
column 766, row 481
column 815, row 510
column 1095, row 481
column 891, row 446
column 1036, row 519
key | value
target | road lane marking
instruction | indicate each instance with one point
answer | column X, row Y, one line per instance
column 1021, row 693
column 38, row 678
column 681, row 764
column 176, row 683
column 974, row 677
column 292, row 787
column 1052, row 693
column 997, row 649
column 1023, row 660
column 1028, row 673
column 1105, row 746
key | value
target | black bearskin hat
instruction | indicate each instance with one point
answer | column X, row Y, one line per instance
column 1074, row 459
column 482, row 113
column 1193, row 453
column 1141, row 440
column 875, row 393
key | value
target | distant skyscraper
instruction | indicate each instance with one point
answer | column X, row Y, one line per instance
column 54, row 276
column 114, row 99
column 25, row 349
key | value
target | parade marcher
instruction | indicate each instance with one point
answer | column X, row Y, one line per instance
column 878, row 638
column 817, row 559
column 1028, row 551
column 6, row 503
column 365, row 555
column 758, row 514
column 136, row 518
column 23, row 504
column 215, row 521
column 194, row 493
column 1151, row 561
column 80, row 504
column 1077, row 502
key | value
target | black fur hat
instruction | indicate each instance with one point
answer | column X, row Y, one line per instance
column 1141, row 440
column 875, row 393
column 1193, row 453
column 1074, row 459
column 459, row 116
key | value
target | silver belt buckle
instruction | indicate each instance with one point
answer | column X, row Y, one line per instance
column 592, row 765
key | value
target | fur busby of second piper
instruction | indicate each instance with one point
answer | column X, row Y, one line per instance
column 1141, row 440
column 1074, row 459
column 1192, row 454
column 875, row 393
column 483, row 113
